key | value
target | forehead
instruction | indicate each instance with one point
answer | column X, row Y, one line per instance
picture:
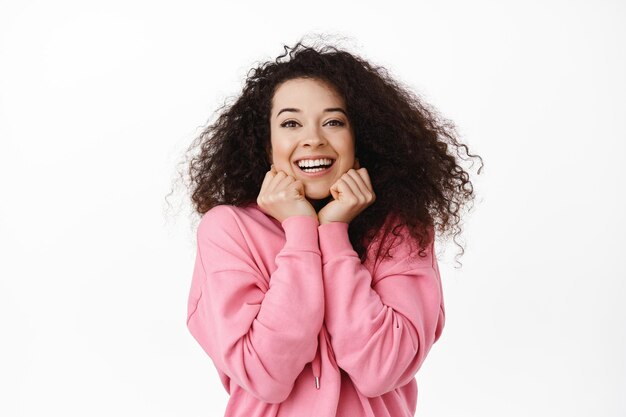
column 307, row 93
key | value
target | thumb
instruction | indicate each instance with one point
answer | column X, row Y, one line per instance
column 334, row 191
column 356, row 163
column 298, row 187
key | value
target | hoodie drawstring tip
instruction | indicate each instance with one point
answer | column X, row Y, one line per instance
column 317, row 382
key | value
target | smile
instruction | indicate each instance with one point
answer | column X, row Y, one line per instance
column 315, row 168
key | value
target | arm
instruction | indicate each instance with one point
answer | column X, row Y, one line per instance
column 260, row 337
column 381, row 327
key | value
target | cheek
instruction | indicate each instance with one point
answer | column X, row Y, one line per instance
column 280, row 159
column 279, row 155
column 281, row 150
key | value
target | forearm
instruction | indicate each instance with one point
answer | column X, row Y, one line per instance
column 381, row 331
column 260, row 339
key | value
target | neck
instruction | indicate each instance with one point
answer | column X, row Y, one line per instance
column 319, row 204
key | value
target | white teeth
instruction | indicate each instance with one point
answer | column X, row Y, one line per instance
column 314, row 162
column 315, row 169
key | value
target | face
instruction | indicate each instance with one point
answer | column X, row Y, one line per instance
column 309, row 122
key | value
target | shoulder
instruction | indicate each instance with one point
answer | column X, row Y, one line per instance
column 218, row 217
column 395, row 244
column 231, row 220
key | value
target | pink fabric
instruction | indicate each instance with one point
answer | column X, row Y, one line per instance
column 276, row 305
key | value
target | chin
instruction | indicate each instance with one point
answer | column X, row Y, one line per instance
column 318, row 195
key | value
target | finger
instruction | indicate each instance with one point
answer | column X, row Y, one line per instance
column 284, row 182
column 358, row 182
column 281, row 184
column 334, row 190
column 351, row 182
column 362, row 179
column 366, row 179
column 344, row 192
column 276, row 180
column 269, row 175
column 296, row 188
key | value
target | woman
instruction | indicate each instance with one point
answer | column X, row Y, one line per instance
column 316, row 290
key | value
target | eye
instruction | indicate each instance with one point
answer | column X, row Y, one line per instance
column 339, row 122
column 288, row 123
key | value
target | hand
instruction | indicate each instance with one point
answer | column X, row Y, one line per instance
column 282, row 196
column 352, row 193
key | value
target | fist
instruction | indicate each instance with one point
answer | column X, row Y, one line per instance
column 352, row 193
column 282, row 196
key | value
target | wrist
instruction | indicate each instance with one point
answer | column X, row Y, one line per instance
column 324, row 221
column 314, row 217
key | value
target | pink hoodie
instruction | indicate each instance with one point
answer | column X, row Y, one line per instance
column 297, row 326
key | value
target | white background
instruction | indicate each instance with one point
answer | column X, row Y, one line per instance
column 98, row 102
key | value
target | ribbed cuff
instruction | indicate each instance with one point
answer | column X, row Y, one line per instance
column 301, row 232
column 334, row 240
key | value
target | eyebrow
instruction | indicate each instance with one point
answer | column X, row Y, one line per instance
column 339, row 109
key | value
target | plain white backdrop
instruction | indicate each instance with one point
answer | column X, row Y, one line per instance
column 98, row 102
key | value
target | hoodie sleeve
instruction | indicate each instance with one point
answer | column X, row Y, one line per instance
column 259, row 337
column 381, row 327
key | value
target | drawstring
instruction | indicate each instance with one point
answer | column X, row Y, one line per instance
column 317, row 367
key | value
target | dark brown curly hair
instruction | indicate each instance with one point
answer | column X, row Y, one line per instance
column 412, row 154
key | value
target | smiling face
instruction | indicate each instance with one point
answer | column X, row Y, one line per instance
column 309, row 121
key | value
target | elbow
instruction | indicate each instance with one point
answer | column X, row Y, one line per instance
column 372, row 383
column 376, row 387
column 378, row 382
column 372, row 389
column 272, row 393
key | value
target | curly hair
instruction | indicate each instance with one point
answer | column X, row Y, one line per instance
column 412, row 154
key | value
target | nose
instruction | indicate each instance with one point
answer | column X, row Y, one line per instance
column 314, row 138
